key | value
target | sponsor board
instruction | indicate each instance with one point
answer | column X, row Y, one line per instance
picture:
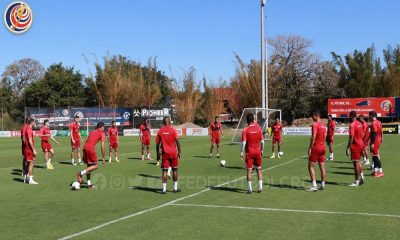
column 342, row 131
column 196, row 131
column 340, row 108
column 5, row 133
column 390, row 129
column 297, row 131
column 135, row 132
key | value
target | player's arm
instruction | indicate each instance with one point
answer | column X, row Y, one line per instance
column 178, row 145
column 312, row 141
column 30, row 142
column 158, row 151
column 351, row 138
column 242, row 150
column 54, row 140
column 71, row 134
column 140, row 134
column 222, row 132
column 103, row 151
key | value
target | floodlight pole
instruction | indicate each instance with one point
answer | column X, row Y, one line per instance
column 262, row 55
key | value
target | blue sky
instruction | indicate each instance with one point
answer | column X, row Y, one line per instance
column 199, row 33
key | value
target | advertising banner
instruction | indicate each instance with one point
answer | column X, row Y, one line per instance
column 196, row 131
column 297, row 131
column 5, row 133
column 340, row 108
column 390, row 129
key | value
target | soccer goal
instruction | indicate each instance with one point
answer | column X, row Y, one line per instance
column 263, row 116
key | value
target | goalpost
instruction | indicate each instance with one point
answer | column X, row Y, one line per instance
column 263, row 116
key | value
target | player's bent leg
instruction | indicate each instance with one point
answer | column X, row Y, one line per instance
column 312, row 161
column 323, row 174
column 211, row 149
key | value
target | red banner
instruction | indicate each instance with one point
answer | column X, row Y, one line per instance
column 340, row 108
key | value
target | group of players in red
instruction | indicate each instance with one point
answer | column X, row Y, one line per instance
column 361, row 136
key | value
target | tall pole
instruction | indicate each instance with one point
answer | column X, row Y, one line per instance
column 266, row 73
column 262, row 55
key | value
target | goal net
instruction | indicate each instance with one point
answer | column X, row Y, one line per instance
column 263, row 116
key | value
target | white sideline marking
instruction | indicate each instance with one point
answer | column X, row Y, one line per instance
column 173, row 201
column 288, row 210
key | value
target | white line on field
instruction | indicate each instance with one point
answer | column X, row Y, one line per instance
column 288, row 210
column 172, row 202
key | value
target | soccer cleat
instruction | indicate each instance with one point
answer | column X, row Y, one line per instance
column 374, row 174
column 259, row 190
column 73, row 163
column 177, row 190
column 80, row 163
column 321, row 188
column 31, row 181
column 273, row 156
column 354, row 184
column 312, row 189
column 367, row 162
column 158, row 163
column 279, row 156
column 218, row 156
column 163, row 192
column 380, row 174
column 79, row 177
column 117, row 160
column 91, row 186
column 25, row 179
column 361, row 181
column 249, row 192
column 50, row 166
column 210, row 156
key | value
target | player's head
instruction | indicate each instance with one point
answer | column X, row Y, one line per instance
column 277, row 120
column 373, row 115
column 28, row 118
column 316, row 115
column 352, row 116
column 76, row 118
column 113, row 123
column 166, row 121
column 216, row 119
column 330, row 117
column 362, row 118
column 250, row 118
column 147, row 121
column 46, row 122
column 100, row 125
column 31, row 121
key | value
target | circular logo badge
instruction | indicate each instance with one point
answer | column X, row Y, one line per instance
column 386, row 105
column 18, row 17
column 65, row 112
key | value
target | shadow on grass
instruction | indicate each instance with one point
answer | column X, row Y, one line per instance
column 348, row 162
column 16, row 173
column 65, row 163
column 234, row 167
column 344, row 167
column 147, row 189
column 40, row 166
column 330, row 183
column 17, row 170
column 136, row 158
column 152, row 163
column 286, row 186
column 342, row 173
column 149, row 176
column 18, row 180
column 228, row 189
column 201, row 156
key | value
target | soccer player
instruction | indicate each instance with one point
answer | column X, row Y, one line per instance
column 366, row 139
column 89, row 153
column 30, row 151
column 376, row 141
column 355, row 148
column 316, row 152
column 167, row 136
column 113, row 140
column 253, row 146
column 145, row 138
column 330, row 135
column 24, row 162
column 276, row 137
column 76, row 139
column 215, row 131
column 45, row 134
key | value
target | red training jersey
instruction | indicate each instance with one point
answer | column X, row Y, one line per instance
column 366, row 131
column 74, row 128
column 28, row 134
column 93, row 138
column 252, row 136
column 376, row 127
column 23, row 129
column 45, row 131
column 319, row 129
column 168, row 136
column 215, row 128
column 112, row 133
column 331, row 128
column 357, row 132
column 277, row 130
column 145, row 131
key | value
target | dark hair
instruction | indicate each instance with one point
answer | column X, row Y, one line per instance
column 165, row 119
column 353, row 114
column 99, row 125
column 372, row 114
column 30, row 120
column 316, row 113
column 46, row 121
column 361, row 116
column 330, row 116
column 113, row 121
column 216, row 117
column 250, row 118
column 76, row 116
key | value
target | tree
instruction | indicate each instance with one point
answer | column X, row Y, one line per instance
column 389, row 83
column 211, row 104
column 292, row 72
column 186, row 97
column 60, row 86
column 21, row 73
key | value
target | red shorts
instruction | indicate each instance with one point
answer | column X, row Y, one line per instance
column 356, row 152
column 375, row 150
column 29, row 155
column 169, row 160
column 146, row 141
column 89, row 157
column 76, row 145
column 215, row 140
column 113, row 145
column 317, row 155
column 276, row 140
column 253, row 161
column 329, row 140
column 46, row 146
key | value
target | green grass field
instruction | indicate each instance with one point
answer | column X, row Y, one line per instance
column 213, row 203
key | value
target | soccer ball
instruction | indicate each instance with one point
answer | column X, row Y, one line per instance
column 75, row 186
column 222, row 163
column 280, row 154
